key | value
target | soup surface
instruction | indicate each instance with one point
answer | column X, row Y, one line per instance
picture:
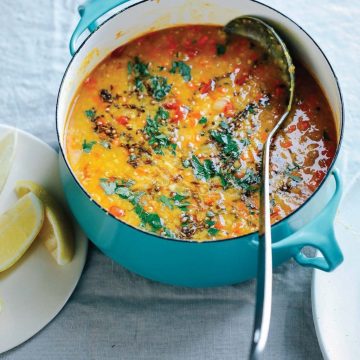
column 166, row 134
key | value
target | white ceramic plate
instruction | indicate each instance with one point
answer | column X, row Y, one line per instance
column 36, row 288
column 336, row 295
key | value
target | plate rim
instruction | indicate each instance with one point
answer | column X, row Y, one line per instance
column 80, row 237
column 315, row 285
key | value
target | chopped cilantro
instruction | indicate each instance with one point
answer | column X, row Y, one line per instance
column 200, row 171
column 139, row 84
column 159, row 87
column 224, row 125
column 203, row 120
column 87, row 146
column 245, row 141
column 166, row 201
column 212, row 231
column 250, row 108
column 220, row 49
column 162, row 114
column 183, row 68
column 176, row 201
column 90, row 114
column 210, row 223
column 156, row 138
column 129, row 67
column 168, row 233
column 249, row 182
column 156, row 85
column 139, row 68
column 230, row 146
column 122, row 189
column 108, row 186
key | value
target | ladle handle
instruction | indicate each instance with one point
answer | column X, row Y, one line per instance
column 90, row 11
column 265, row 264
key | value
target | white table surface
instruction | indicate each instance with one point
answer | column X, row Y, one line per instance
column 114, row 314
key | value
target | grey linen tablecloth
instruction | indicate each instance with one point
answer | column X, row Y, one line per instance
column 114, row 314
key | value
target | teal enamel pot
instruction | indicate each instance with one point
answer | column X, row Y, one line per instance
column 189, row 263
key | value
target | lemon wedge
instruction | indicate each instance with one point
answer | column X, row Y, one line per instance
column 19, row 227
column 7, row 152
column 57, row 232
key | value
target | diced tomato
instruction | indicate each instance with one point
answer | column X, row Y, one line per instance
column 317, row 177
column 209, row 200
column 171, row 42
column 218, row 225
column 275, row 212
column 241, row 79
column 171, row 105
column 191, row 51
column 205, row 87
column 177, row 116
column 329, row 152
column 116, row 211
column 203, row 40
column 291, row 128
column 303, row 125
column 286, row 143
column 229, row 109
column 122, row 120
column 187, row 42
column 309, row 104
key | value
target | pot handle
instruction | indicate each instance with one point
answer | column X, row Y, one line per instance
column 319, row 233
column 89, row 12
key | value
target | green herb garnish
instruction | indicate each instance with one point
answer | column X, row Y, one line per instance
column 157, row 140
column 249, row 182
column 87, row 146
column 220, row 49
column 108, row 186
column 159, row 87
column 139, row 68
column 202, row 171
column 122, row 189
column 245, row 141
column 229, row 145
column 203, row 120
column 177, row 200
column 90, row 114
column 182, row 68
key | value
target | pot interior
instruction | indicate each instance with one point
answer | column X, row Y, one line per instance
column 137, row 18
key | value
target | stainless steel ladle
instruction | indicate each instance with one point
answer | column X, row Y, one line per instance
column 266, row 37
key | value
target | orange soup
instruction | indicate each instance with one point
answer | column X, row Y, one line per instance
column 166, row 134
